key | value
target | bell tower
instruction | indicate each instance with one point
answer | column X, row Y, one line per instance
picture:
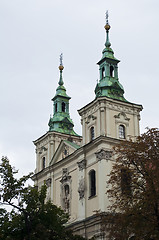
column 109, row 85
column 110, row 114
column 60, row 128
column 61, row 121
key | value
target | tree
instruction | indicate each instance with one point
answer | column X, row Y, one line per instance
column 133, row 189
column 30, row 217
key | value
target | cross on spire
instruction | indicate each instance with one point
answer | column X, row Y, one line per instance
column 61, row 59
column 107, row 16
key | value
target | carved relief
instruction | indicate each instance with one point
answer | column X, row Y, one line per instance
column 90, row 118
column 102, row 109
column 103, row 154
column 42, row 149
column 119, row 107
column 66, row 198
column 65, row 151
column 48, row 182
column 82, row 164
column 122, row 114
column 66, row 190
column 81, row 188
column 65, row 176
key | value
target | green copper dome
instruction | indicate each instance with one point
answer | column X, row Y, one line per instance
column 108, row 84
column 61, row 121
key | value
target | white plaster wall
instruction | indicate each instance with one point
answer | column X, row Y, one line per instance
column 101, row 114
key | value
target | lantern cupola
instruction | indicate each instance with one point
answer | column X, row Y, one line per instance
column 109, row 84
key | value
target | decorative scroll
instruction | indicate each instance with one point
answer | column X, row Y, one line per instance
column 122, row 114
column 82, row 164
column 103, row 154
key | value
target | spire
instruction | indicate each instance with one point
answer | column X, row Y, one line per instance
column 107, row 27
column 61, row 67
column 61, row 90
column 61, row 121
column 108, row 84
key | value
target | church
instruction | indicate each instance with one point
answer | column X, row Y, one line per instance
column 75, row 168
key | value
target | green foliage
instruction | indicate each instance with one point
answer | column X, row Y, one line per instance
column 135, row 211
column 31, row 217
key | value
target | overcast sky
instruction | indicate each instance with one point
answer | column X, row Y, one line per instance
column 33, row 33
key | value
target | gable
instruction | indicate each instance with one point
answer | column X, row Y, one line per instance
column 65, row 149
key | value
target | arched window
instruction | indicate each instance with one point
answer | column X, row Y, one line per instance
column 63, row 107
column 92, row 133
column 121, row 131
column 43, row 162
column 92, row 183
column 55, row 107
column 111, row 71
column 103, row 72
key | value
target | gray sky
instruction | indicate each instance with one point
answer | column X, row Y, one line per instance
column 33, row 33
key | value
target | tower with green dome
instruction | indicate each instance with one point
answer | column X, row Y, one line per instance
column 109, row 85
column 61, row 121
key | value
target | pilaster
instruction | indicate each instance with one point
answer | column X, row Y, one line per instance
column 81, row 190
column 103, row 156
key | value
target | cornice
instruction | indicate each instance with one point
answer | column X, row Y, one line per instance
column 51, row 135
column 111, row 104
column 76, row 154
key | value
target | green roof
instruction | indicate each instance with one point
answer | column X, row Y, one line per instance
column 61, row 121
column 72, row 144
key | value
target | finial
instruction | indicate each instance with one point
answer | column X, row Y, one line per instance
column 61, row 67
column 107, row 27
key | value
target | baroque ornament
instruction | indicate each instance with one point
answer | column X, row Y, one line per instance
column 65, row 175
column 81, row 188
column 82, row 164
column 103, row 154
column 48, row 182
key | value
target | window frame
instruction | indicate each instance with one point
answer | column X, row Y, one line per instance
column 121, row 131
column 92, row 133
column 43, row 163
column 111, row 71
column 55, row 107
column 63, row 107
column 92, row 183
column 103, row 72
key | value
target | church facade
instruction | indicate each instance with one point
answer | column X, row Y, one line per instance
column 75, row 168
